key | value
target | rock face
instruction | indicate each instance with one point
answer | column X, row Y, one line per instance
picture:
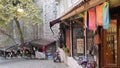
column 49, row 13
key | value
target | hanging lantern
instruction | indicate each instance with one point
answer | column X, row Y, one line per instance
column 20, row 11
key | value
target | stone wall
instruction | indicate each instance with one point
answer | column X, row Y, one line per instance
column 49, row 14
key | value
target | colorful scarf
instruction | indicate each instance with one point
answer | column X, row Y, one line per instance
column 92, row 19
column 99, row 15
column 106, row 16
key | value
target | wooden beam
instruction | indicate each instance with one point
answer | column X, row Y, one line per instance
column 77, row 21
column 114, row 3
column 65, row 23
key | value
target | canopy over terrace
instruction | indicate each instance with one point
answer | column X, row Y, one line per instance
column 87, row 4
column 83, row 6
column 78, row 8
column 42, row 42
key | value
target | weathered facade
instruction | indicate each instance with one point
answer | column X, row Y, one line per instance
column 107, row 51
column 49, row 14
column 65, row 6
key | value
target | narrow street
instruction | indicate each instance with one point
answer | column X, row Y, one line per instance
column 18, row 63
column 59, row 33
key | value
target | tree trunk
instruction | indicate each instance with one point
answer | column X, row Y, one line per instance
column 20, row 32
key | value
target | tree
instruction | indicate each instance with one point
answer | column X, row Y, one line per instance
column 18, row 10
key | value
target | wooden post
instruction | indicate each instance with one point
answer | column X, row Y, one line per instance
column 118, row 37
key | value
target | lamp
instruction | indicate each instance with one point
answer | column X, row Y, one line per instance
column 20, row 11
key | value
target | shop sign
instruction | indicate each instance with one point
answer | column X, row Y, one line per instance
column 80, row 46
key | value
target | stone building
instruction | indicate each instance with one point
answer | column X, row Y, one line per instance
column 49, row 14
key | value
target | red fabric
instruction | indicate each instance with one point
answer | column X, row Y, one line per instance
column 43, row 48
column 99, row 15
column 92, row 19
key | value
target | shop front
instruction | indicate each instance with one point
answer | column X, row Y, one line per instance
column 77, row 40
column 110, row 38
column 81, row 38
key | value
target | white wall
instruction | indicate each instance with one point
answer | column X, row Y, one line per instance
column 49, row 14
column 51, row 10
column 66, row 5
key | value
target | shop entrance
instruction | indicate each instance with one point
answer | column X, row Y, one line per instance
column 111, row 44
column 110, row 47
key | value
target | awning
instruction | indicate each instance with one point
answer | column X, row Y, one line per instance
column 82, row 6
column 42, row 42
column 87, row 4
column 52, row 23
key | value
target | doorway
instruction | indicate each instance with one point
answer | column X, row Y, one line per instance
column 110, row 45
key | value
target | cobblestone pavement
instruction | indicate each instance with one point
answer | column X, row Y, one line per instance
column 23, row 63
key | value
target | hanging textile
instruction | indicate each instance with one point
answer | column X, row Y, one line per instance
column 97, row 39
column 92, row 19
column 106, row 17
column 81, row 15
column 99, row 18
column 85, row 19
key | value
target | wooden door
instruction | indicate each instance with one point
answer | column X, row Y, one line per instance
column 110, row 45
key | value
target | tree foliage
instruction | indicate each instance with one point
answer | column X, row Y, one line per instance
column 9, row 12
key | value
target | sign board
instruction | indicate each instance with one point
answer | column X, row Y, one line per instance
column 80, row 46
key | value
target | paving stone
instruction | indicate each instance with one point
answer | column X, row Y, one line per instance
column 23, row 63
